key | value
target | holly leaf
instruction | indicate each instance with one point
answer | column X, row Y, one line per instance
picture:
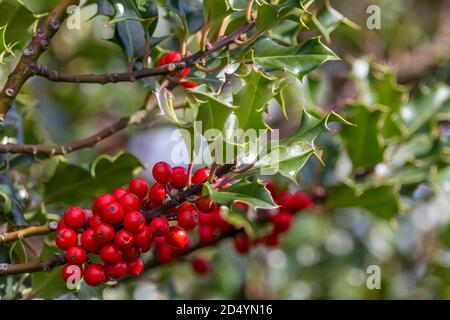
column 237, row 219
column 299, row 60
column 291, row 154
column 270, row 14
column 189, row 12
column 363, row 141
column 382, row 200
column 252, row 99
column 212, row 111
column 134, row 22
column 296, row 95
column 5, row 199
column 329, row 19
column 15, row 20
column 216, row 9
column 165, row 102
column 252, row 193
column 82, row 185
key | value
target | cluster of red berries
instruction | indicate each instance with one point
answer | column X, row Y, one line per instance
column 122, row 226
column 174, row 56
column 118, row 230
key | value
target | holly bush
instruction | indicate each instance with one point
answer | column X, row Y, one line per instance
column 217, row 149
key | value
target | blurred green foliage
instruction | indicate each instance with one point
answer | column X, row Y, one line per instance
column 384, row 186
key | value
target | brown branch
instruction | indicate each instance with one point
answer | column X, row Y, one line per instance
column 28, row 232
column 90, row 142
column 32, row 266
column 187, row 61
column 38, row 44
column 47, row 265
column 56, row 260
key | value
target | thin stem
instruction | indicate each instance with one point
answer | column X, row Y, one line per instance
column 204, row 37
column 248, row 10
column 27, row 232
column 90, row 142
column 187, row 61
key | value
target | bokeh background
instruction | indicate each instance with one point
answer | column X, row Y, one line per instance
column 327, row 252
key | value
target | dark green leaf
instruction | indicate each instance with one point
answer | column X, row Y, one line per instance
column 382, row 201
column 363, row 141
column 300, row 60
column 253, row 193
column 72, row 184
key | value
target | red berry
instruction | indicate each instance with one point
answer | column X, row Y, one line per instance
column 123, row 239
column 187, row 217
column 71, row 270
column 206, row 234
column 286, row 200
column 179, row 178
column 142, row 238
column 104, row 233
column 201, row 265
column 88, row 241
column 241, row 206
column 177, row 237
column 129, row 202
column 159, row 241
column 74, row 217
column 157, row 193
column 271, row 187
column 95, row 221
column 205, row 218
column 162, row 172
column 135, row 267
column 102, row 201
column 112, row 213
column 220, row 223
column 139, row 187
column 116, row 270
column 94, row 275
column 201, row 175
column 302, row 201
column 61, row 224
column 133, row 221
column 110, row 254
column 184, row 72
column 146, row 249
column 66, row 238
column 162, row 61
column 159, row 226
column 119, row 192
column 131, row 254
column 282, row 221
column 164, row 253
column 272, row 240
column 170, row 57
column 206, row 205
column 241, row 243
column 76, row 255
column 188, row 84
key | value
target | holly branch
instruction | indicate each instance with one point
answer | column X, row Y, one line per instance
column 38, row 44
column 28, row 66
column 56, row 260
